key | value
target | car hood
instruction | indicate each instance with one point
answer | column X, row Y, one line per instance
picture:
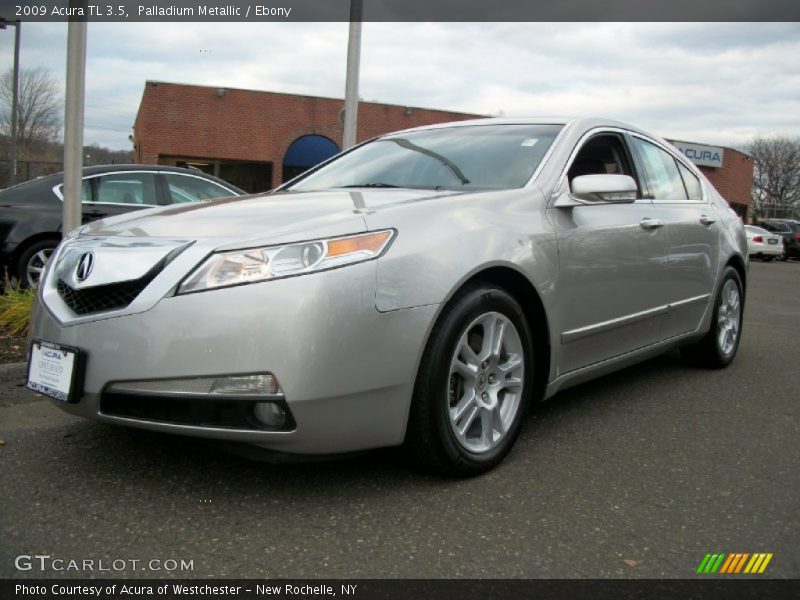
column 267, row 218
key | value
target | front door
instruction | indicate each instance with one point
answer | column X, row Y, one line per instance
column 611, row 259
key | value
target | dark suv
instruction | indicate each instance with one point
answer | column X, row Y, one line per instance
column 31, row 212
column 790, row 230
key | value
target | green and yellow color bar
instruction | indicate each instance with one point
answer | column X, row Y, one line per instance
column 734, row 563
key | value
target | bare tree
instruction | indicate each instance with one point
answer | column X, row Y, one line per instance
column 39, row 110
column 776, row 177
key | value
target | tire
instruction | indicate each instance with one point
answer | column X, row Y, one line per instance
column 470, row 395
column 718, row 347
column 32, row 261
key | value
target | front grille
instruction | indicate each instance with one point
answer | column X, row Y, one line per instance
column 100, row 298
column 198, row 412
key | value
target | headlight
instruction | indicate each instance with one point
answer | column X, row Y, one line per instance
column 225, row 269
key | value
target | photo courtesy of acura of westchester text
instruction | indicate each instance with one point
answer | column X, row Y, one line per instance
column 378, row 303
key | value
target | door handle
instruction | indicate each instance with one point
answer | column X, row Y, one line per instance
column 649, row 223
column 706, row 220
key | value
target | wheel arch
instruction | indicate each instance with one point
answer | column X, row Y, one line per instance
column 738, row 263
column 523, row 291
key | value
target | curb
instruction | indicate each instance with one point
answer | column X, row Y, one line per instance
column 13, row 371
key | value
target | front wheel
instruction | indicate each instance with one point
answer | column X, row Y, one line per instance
column 474, row 383
column 719, row 345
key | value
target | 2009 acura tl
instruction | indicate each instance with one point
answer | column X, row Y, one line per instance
column 422, row 288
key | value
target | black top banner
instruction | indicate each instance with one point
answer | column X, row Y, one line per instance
column 401, row 10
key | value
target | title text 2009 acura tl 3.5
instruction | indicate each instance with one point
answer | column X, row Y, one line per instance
column 422, row 288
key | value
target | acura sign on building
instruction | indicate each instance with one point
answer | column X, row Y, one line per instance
column 706, row 156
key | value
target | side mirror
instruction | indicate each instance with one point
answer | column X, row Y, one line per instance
column 600, row 189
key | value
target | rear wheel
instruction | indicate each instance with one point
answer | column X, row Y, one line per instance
column 719, row 346
column 474, row 383
column 33, row 260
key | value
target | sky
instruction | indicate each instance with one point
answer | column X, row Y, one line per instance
column 711, row 83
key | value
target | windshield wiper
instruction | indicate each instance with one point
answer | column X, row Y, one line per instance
column 404, row 143
column 370, row 185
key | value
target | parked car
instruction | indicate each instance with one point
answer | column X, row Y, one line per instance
column 790, row 231
column 763, row 244
column 423, row 288
column 31, row 212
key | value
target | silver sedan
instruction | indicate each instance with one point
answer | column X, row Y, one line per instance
column 423, row 288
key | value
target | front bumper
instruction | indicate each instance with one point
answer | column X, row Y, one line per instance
column 347, row 371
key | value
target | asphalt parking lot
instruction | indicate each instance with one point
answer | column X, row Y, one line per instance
column 639, row 474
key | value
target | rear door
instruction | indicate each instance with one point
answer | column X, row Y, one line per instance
column 692, row 234
column 611, row 260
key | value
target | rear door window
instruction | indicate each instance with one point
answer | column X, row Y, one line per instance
column 662, row 172
column 693, row 188
column 127, row 188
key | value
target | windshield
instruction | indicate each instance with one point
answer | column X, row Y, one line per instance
column 479, row 157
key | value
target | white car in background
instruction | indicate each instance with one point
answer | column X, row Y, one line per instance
column 763, row 244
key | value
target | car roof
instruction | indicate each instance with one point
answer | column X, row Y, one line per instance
column 582, row 122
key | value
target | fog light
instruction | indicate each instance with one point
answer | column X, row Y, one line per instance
column 270, row 414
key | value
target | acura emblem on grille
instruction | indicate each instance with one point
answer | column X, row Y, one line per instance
column 85, row 266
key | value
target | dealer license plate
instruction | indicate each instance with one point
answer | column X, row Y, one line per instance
column 772, row 241
column 52, row 370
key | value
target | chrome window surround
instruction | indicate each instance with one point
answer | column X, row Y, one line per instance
column 596, row 130
column 60, row 195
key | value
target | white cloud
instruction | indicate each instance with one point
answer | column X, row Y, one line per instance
column 716, row 83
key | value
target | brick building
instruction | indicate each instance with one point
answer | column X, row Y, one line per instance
column 257, row 140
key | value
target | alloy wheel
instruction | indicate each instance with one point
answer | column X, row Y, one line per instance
column 36, row 265
column 486, row 382
column 728, row 317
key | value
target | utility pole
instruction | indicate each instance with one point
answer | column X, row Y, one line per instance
column 14, row 97
column 351, row 84
column 73, row 125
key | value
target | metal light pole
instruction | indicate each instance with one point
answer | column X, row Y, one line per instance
column 73, row 125
column 351, row 84
column 14, row 97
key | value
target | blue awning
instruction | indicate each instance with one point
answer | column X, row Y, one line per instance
column 309, row 150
